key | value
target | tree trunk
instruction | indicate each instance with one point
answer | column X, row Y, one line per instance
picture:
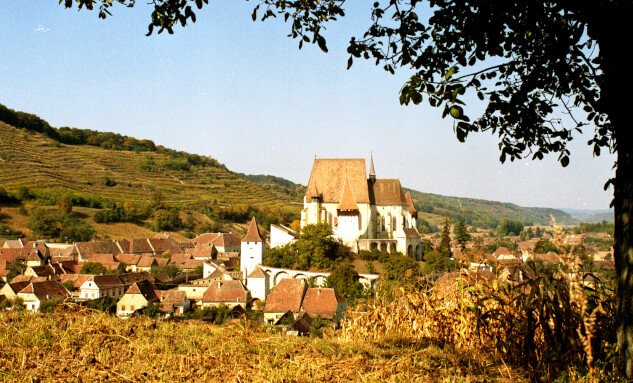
column 608, row 23
column 623, row 255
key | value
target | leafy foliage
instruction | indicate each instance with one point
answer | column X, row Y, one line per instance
column 344, row 279
column 509, row 227
column 93, row 268
column 48, row 305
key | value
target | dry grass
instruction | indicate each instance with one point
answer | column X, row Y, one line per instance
column 549, row 323
column 79, row 345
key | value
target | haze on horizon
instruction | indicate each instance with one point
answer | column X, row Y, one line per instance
column 243, row 93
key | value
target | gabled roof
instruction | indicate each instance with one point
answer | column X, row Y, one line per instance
column 286, row 296
column 11, row 254
column 347, row 201
column 128, row 259
column 102, row 258
column 328, row 177
column 171, row 298
column 107, row 281
column 257, row 273
column 321, row 302
column 146, row 261
column 411, row 233
column 410, row 202
column 140, row 246
column 226, row 291
column 202, row 250
column 387, row 192
column 46, row 290
column 145, row 288
column 252, row 235
column 205, row 238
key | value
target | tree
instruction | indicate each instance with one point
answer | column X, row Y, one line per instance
column 509, row 227
column 344, row 279
column 461, row 234
column 93, row 268
column 525, row 60
column 445, row 244
column 65, row 204
column 43, row 223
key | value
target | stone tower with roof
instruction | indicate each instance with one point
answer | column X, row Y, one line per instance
column 252, row 249
column 365, row 212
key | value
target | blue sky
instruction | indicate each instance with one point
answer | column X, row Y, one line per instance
column 244, row 94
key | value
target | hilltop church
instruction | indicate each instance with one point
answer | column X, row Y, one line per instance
column 366, row 213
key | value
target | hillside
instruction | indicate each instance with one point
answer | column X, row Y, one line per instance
column 50, row 169
column 482, row 213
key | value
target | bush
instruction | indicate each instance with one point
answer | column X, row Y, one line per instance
column 48, row 305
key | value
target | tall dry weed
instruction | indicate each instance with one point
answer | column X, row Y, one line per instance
column 549, row 321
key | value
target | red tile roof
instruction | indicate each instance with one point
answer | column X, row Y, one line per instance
column 252, row 235
column 46, row 290
column 321, row 302
column 385, row 192
column 328, row 178
column 347, row 201
column 226, row 291
column 286, row 296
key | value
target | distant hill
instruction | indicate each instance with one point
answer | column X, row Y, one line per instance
column 591, row 216
column 482, row 213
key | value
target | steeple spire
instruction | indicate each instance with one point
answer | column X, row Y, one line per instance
column 372, row 172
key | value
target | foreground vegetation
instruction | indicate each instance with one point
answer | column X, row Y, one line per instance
column 88, row 345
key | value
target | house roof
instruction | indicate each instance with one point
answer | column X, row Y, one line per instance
column 146, row 261
column 46, row 290
column 410, row 202
column 140, row 246
column 411, row 232
column 387, row 192
column 162, row 245
column 286, row 296
column 283, row 228
column 328, row 177
column 11, row 254
column 347, row 201
column 145, row 288
column 252, row 235
column 205, row 238
column 171, row 298
column 202, row 250
column 77, row 279
column 107, row 281
column 128, row 259
column 225, row 291
column 257, row 273
column 102, row 258
column 321, row 302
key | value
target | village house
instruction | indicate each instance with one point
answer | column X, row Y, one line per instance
column 138, row 296
column 37, row 292
column 231, row 293
column 287, row 296
column 106, row 285
column 223, row 242
column 324, row 303
column 281, row 235
column 173, row 302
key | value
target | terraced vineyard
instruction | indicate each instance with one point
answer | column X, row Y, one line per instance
column 49, row 168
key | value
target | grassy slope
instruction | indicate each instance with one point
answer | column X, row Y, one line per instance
column 483, row 210
column 33, row 160
column 88, row 346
